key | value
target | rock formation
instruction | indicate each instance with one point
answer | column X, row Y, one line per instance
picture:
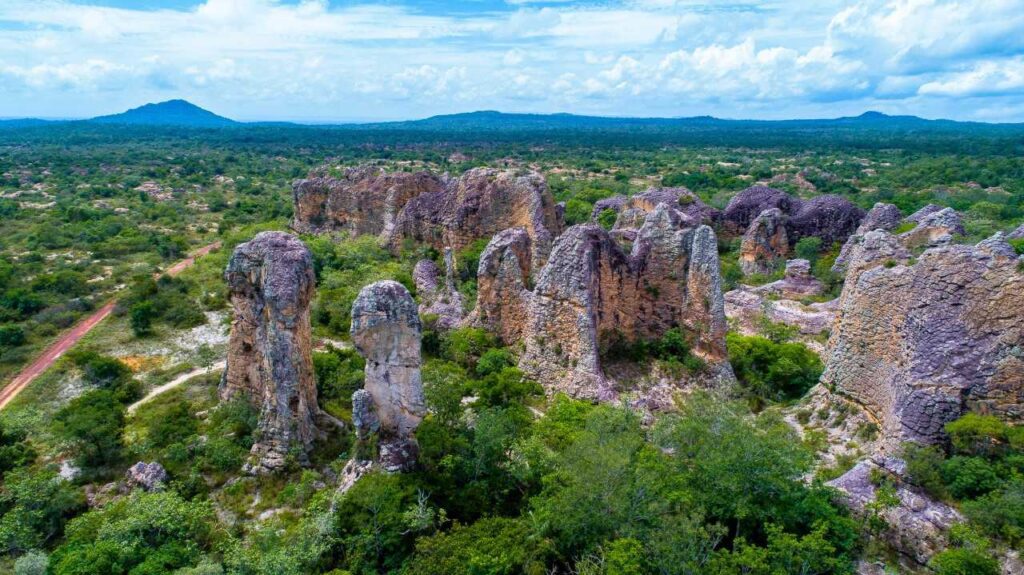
column 918, row 343
column 782, row 221
column 796, row 283
column 438, row 211
column 386, row 332
column 592, row 295
column 748, row 204
column 934, row 229
column 881, row 217
column 632, row 210
column 765, row 243
column 503, row 278
column 1016, row 234
column 364, row 200
column 776, row 302
column 271, row 282
column 148, row 476
column 444, row 301
column 831, row 218
column 916, row 526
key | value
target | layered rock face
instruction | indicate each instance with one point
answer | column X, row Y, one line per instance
column 386, row 331
column 831, row 218
column 592, row 295
column 919, row 343
column 502, row 285
column 364, row 200
column 936, row 228
column 748, row 204
column 764, row 243
column 478, row 205
column 439, row 211
column 271, row 282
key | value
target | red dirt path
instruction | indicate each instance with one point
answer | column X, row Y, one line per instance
column 78, row 331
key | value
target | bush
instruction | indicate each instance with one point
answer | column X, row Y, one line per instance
column 924, row 468
column 140, row 317
column 964, row 562
column 773, row 371
column 491, row 546
column 494, row 360
column 506, row 387
column 970, row 477
column 1000, row 513
column 32, row 563
column 92, row 423
column 577, row 211
column 607, row 218
column 808, row 248
column 11, row 335
column 981, row 435
column 466, row 345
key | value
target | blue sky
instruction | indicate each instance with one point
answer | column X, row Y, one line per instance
column 316, row 60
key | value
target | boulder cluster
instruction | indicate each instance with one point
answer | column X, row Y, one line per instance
column 772, row 222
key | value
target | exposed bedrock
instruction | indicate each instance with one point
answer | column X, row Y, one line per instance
column 503, row 277
column 881, row 216
column 918, row 343
column 748, row 204
column 386, row 331
column 764, row 243
column 439, row 211
column 772, row 221
column 592, row 295
column 271, row 282
column 363, row 200
column 632, row 210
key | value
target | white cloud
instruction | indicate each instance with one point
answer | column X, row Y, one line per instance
column 629, row 57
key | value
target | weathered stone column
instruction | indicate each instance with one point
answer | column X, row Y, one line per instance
column 386, row 331
column 271, row 281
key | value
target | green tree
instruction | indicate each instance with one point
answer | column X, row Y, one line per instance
column 140, row 317
column 92, row 423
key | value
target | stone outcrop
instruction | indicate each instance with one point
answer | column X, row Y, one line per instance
column 764, row 243
column 880, row 217
column 632, row 210
column 924, row 212
column 748, row 204
column 831, row 218
column 918, row 343
column 364, row 200
column 795, row 284
column 148, row 476
column 746, row 307
column 271, row 282
column 476, row 206
column 386, row 331
column 783, row 220
column 592, row 295
column 1016, row 234
column 916, row 526
column 439, row 211
column 442, row 300
column 934, row 229
column 503, row 278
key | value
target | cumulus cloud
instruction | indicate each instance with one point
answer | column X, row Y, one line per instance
column 629, row 57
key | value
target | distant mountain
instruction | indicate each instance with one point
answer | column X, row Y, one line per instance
column 499, row 121
column 169, row 113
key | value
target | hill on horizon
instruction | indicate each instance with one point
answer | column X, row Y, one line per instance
column 169, row 113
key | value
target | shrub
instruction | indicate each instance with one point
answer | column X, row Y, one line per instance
column 924, row 468
column 808, row 248
column 506, row 387
column 1000, row 513
column 490, row 546
column 11, row 335
column 494, row 360
column 773, row 371
column 964, row 562
column 970, row 477
column 982, row 435
column 577, row 211
column 466, row 345
column 140, row 317
column 607, row 218
column 92, row 422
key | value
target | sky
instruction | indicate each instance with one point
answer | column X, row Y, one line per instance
column 355, row 60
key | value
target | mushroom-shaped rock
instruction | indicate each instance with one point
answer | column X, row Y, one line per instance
column 271, row 283
column 386, row 331
column 765, row 243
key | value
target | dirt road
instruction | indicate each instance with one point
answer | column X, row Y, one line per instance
column 78, row 331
